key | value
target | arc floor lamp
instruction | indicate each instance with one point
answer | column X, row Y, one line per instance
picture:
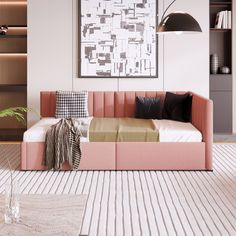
column 178, row 22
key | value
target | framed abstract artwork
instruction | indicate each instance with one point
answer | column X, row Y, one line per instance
column 117, row 39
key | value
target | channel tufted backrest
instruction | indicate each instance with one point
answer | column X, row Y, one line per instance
column 101, row 104
column 125, row 102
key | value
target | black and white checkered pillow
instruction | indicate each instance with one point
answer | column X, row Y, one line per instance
column 71, row 104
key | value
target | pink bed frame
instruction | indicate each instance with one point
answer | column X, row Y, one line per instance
column 130, row 155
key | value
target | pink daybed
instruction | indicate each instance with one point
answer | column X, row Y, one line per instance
column 130, row 155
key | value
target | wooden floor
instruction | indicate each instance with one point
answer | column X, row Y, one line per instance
column 145, row 202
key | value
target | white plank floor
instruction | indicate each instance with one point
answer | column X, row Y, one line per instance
column 143, row 202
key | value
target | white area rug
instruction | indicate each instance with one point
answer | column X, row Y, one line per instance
column 145, row 202
column 46, row 215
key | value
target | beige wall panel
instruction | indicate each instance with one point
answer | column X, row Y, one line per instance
column 13, row 14
column 13, row 69
column 13, row 45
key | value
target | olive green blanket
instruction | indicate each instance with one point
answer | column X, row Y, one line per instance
column 122, row 130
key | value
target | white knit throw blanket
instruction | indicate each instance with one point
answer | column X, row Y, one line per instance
column 63, row 144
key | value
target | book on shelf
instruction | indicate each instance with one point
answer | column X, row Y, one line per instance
column 223, row 20
column 229, row 19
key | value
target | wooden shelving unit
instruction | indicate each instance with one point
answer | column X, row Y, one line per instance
column 13, row 65
column 13, row 88
column 221, row 84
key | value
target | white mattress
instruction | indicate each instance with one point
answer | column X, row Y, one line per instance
column 175, row 131
column 38, row 131
column 169, row 130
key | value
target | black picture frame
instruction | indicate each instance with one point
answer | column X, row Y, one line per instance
column 107, row 77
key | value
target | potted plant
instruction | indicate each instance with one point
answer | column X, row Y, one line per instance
column 16, row 112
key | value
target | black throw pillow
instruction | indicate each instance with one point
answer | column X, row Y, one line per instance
column 177, row 107
column 148, row 108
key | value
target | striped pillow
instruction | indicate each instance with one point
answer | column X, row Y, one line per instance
column 71, row 104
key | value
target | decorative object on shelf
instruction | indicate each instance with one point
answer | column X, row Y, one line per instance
column 225, row 70
column 178, row 22
column 223, row 20
column 115, row 44
column 214, row 64
column 3, row 29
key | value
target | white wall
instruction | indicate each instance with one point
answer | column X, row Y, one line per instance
column 53, row 59
column 186, row 57
column 49, row 49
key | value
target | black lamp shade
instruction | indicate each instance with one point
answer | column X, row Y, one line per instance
column 178, row 22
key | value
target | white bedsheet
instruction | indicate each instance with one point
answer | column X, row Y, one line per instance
column 175, row 131
column 38, row 131
column 169, row 131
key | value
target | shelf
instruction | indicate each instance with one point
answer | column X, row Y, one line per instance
column 13, row 87
column 14, row 3
column 220, row 4
column 220, row 74
column 220, row 30
column 13, row 54
column 12, row 36
column 15, row 32
column 17, row 26
column 223, row 76
column 11, row 134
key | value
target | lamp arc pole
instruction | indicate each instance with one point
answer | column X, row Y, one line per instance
column 167, row 9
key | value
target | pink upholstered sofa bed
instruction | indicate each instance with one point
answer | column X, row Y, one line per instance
column 130, row 155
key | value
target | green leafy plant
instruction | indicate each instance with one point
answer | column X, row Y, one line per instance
column 16, row 112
